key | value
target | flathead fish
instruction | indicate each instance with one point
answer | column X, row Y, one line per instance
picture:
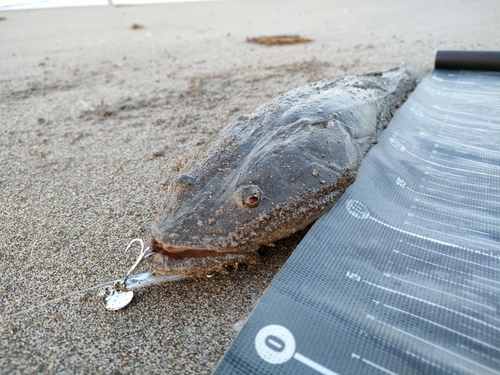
column 272, row 173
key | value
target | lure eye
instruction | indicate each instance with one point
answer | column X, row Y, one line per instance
column 248, row 196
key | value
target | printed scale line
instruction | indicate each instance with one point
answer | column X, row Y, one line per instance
column 480, row 312
column 316, row 366
column 474, row 184
column 446, row 200
column 454, row 236
column 478, row 217
column 465, row 128
column 456, row 258
column 454, row 226
column 479, row 165
column 399, row 252
column 444, row 137
column 439, row 347
column 437, row 173
column 438, row 242
column 469, row 191
column 378, row 367
column 481, row 116
column 459, row 196
column 479, row 321
column 440, row 291
column 456, row 122
column 455, row 169
column 438, row 325
column 445, row 280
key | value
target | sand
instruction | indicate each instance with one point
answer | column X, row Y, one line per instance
column 97, row 117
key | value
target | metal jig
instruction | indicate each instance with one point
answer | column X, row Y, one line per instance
column 120, row 294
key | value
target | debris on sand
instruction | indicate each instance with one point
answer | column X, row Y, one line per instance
column 278, row 39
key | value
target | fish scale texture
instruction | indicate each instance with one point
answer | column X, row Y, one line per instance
column 402, row 275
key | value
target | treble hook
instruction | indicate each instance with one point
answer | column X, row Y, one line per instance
column 143, row 254
column 121, row 293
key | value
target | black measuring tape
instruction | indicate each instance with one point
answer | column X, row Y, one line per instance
column 402, row 275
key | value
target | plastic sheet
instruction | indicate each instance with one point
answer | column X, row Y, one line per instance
column 402, row 275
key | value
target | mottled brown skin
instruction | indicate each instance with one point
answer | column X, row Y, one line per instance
column 272, row 173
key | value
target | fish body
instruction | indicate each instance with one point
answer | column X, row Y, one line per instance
column 272, row 173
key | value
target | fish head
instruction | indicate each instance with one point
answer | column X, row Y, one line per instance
column 246, row 190
column 211, row 214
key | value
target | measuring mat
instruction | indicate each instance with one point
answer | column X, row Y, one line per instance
column 402, row 275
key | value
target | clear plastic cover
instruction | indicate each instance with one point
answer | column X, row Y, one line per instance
column 402, row 275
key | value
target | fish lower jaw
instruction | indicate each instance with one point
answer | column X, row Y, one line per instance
column 183, row 252
column 194, row 262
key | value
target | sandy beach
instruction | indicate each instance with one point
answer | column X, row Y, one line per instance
column 96, row 119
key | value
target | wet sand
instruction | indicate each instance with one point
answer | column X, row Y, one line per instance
column 96, row 118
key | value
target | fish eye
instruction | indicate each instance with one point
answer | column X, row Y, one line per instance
column 248, row 196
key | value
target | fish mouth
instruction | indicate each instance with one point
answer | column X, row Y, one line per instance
column 194, row 262
column 182, row 252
